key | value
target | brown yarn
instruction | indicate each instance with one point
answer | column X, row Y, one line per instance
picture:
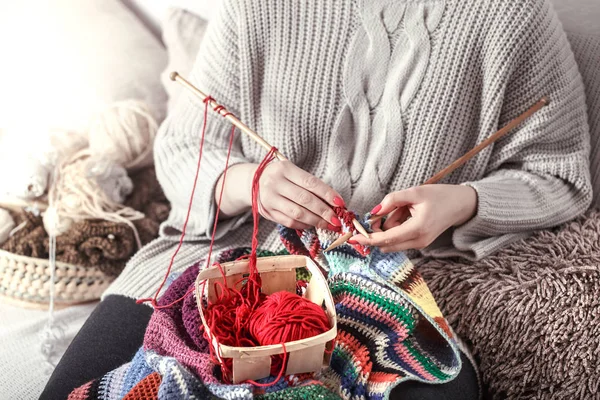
column 102, row 244
column 146, row 187
column 28, row 237
column 106, row 245
column 531, row 312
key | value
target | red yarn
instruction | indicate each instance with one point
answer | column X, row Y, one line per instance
column 228, row 315
column 246, row 317
column 285, row 317
column 189, row 211
column 279, row 318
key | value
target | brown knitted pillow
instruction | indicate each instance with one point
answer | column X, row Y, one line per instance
column 531, row 312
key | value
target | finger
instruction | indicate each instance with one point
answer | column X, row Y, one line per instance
column 398, row 217
column 285, row 220
column 376, row 226
column 298, row 213
column 309, row 201
column 313, row 184
column 402, row 233
column 397, row 199
column 416, row 244
column 262, row 210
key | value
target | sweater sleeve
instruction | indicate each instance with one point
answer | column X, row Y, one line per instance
column 538, row 176
column 177, row 146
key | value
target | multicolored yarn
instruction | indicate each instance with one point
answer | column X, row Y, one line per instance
column 389, row 326
column 389, row 330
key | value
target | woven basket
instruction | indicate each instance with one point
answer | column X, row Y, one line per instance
column 277, row 274
column 27, row 280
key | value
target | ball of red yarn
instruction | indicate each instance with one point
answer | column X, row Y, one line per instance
column 284, row 317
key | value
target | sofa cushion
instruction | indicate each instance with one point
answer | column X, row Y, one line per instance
column 530, row 312
column 183, row 32
column 153, row 12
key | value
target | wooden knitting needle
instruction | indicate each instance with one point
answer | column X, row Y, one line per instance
column 243, row 127
column 462, row 160
column 223, row 111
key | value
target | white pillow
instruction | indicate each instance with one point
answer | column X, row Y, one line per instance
column 203, row 8
column 183, row 32
column 155, row 12
column 62, row 60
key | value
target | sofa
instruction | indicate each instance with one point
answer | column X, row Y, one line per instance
column 530, row 313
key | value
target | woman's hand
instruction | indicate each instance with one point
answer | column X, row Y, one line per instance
column 423, row 213
column 294, row 198
column 288, row 195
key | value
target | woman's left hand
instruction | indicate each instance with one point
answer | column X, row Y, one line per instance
column 423, row 213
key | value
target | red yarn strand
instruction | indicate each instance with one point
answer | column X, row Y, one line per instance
column 281, row 372
column 189, row 210
column 247, row 317
column 214, row 230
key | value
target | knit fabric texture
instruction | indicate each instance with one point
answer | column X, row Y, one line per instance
column 377, row 96
column 530, row 312
column 94, row 243
column 587, row 54
column 389, row 330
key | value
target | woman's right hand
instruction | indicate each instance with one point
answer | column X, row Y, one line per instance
column 294, row 198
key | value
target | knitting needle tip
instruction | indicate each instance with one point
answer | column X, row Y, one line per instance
column 173, row 75
column 545, row 101
column 340, row 241
column 361, row 229
column 375, row 218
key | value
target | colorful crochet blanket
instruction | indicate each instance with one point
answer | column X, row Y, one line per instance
column 389, row 330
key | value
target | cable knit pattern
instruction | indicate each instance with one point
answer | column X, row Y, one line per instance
column 376, row 96
column 386, row 61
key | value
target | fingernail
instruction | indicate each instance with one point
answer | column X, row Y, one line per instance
column 336, row 221
column 352, row 242
column 376, row 209
column 338, row 201
column 332, row 227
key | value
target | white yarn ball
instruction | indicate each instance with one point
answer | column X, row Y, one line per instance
column 75, row 194
column 53, row 224
column 59, row 145
column 124, row 133
column 25, row 178
column 111, row 178
column 26, row 163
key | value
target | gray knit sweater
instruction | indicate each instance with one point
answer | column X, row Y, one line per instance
column 375, row 96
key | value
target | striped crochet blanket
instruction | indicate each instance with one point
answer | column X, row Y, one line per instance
column 389, row 330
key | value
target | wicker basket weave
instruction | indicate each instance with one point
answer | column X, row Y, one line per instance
column 27, row 279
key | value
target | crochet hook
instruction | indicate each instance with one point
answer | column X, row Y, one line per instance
column 462, row 160
column 239, row 124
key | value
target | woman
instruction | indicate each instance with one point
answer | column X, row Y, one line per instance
column 368, row 99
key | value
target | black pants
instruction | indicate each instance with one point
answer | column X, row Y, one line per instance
column 115, row 331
